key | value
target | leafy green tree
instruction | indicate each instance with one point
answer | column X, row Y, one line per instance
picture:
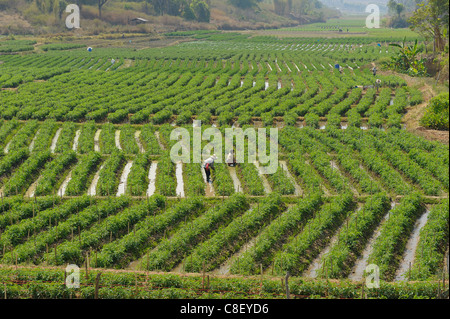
column 436, row 115
column 189, row 14
column 244, row 4
column 431, row 20
column 201, row 10
column 101, row 3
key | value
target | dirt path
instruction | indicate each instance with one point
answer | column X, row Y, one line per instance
column 235, row 178
column 137, row 135
column 32, row 189
column 6, row 150
column 55, row 140
column 97, row 141
column 265, row 182
column 92, row 191
column 410, row 250
column 123, row 178
column 361, row 263
column 117, row 139
column 298, row 190
column 75, row 140
column 180, row 182
column 317, row 263
column 152, row 178
column 225, row 268
column 62, row 189
column 33, row 141
column 416, row 112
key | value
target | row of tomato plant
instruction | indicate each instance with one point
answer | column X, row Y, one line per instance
column 351, row 241
column 109, row 176
column 394, row 233
column 48, row 284
column 275, row 235
column 51, row 175
column 430, row 252
column 82, row 174
column 25, row 174
column 37, row 244
column 73, row 251
column 147, row 231
column 42, row 219
column 23, row 210
column 171, row 251
column 228, row 239
column 296, row 255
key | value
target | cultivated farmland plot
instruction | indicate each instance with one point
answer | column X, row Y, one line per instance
column 86, row 175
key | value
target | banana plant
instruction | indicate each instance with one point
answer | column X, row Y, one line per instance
column 407, row 60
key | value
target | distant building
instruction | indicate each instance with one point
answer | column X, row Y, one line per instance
column 137, row 21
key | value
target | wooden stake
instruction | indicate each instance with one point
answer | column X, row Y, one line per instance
column 203, row 275
column 362, row 291
column 261, row 282
column 409, row 276
column 288, row 296
column 86, row 265
column 97, row 281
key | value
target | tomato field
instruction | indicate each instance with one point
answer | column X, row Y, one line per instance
column 86, row 176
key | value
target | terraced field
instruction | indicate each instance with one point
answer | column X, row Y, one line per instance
column 86, row 177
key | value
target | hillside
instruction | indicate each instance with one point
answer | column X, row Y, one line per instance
column 49, row 16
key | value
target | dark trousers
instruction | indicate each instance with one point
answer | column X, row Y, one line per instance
column 208, row 175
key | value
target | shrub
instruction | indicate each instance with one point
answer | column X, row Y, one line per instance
column 436, row 114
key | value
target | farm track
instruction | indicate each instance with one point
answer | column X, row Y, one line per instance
column 357, row 273
column 410, row 250
column 123, row 178
column 92, row 191
column 97, row 141
column 55, row 140
column 152, row 178
column 236, row 182
column 316, row 264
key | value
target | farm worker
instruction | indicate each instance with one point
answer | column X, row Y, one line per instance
column 378, row 83
column 374, row 70
column 341, row 69
column 230, row 159
column 208, row 164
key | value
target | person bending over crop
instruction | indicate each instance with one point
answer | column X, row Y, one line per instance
column 208, row 165
column 231, row 160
